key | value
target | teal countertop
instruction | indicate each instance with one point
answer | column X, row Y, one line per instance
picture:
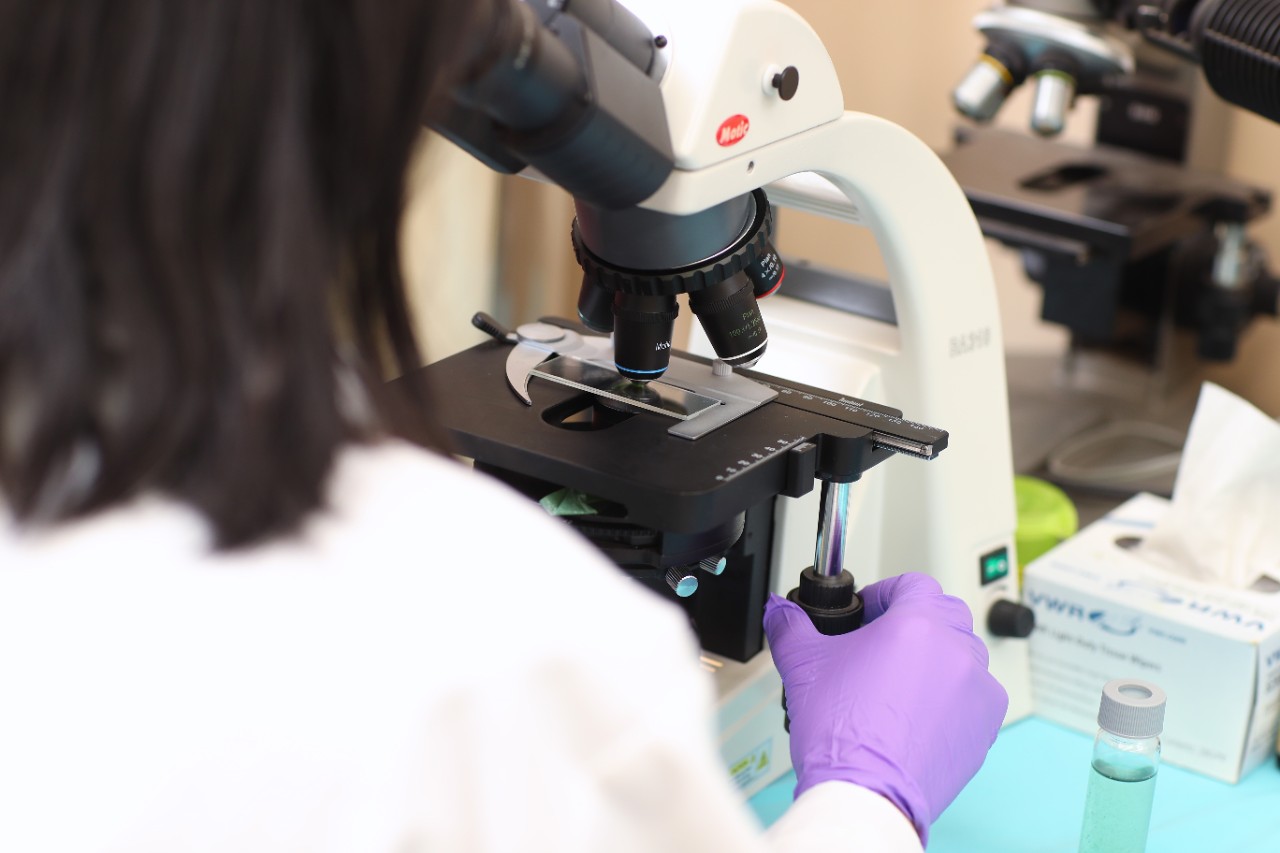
column 1028, row 797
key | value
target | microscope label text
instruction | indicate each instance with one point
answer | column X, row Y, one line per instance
column 968, row 342
column 733, row 130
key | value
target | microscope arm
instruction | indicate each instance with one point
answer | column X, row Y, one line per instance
column 949, row 368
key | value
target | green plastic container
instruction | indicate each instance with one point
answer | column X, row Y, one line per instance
column 1046, row 516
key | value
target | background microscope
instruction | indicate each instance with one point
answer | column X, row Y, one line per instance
column 1144, row 259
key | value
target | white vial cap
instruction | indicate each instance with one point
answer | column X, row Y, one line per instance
column 1132, row 708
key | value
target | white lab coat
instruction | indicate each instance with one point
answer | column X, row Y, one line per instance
column 433, row 666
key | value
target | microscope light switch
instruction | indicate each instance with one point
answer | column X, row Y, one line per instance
column 994, row 566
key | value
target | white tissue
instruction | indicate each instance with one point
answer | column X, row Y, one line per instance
column 1224, row 522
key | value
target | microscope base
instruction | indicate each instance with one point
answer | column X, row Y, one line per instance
column 753, row 744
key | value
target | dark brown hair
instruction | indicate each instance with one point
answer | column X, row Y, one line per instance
column 190, row 192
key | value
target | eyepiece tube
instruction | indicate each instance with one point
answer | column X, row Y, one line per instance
column 527, row 79
column 559, row 97
column 618, row 26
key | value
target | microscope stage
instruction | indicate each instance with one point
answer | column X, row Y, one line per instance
column 665, row 482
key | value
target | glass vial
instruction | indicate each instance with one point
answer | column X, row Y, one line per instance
column 1126, row 756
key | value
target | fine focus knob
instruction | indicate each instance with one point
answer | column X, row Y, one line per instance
column 682, row 581
column 1010, row 619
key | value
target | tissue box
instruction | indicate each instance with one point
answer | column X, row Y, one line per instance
column 1102, row 612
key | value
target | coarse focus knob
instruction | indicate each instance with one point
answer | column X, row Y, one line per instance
column 1010, row 619
column 1232, row 257
column 682, row 581
column 1055, row 90
column 830, row 602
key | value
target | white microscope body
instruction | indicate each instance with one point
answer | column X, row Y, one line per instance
column 942, row 361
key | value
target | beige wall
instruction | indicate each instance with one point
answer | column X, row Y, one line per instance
column 450, row 245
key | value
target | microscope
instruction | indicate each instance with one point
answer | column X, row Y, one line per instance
column 1144, row 259
column 677, row 127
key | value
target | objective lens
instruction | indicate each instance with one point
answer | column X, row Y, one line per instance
column 595, row 306
column 766, row 272
column 730, row 317
column 642, row 329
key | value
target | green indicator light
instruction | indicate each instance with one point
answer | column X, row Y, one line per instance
column 994, row 566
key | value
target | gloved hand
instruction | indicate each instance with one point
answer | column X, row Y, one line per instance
column 904, row 706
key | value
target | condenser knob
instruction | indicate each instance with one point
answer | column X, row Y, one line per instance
column 714, row 565
column 683, row 582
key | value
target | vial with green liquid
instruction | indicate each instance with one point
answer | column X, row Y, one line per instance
column 1126, row 756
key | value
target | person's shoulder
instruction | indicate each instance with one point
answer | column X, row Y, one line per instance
column 407, row 490
column 482, row 541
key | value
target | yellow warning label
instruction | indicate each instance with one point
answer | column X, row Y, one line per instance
column 753, row 765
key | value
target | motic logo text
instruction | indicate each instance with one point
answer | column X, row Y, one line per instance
column 733, row 130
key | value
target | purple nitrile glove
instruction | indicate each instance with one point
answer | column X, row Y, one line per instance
column 904, row 706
